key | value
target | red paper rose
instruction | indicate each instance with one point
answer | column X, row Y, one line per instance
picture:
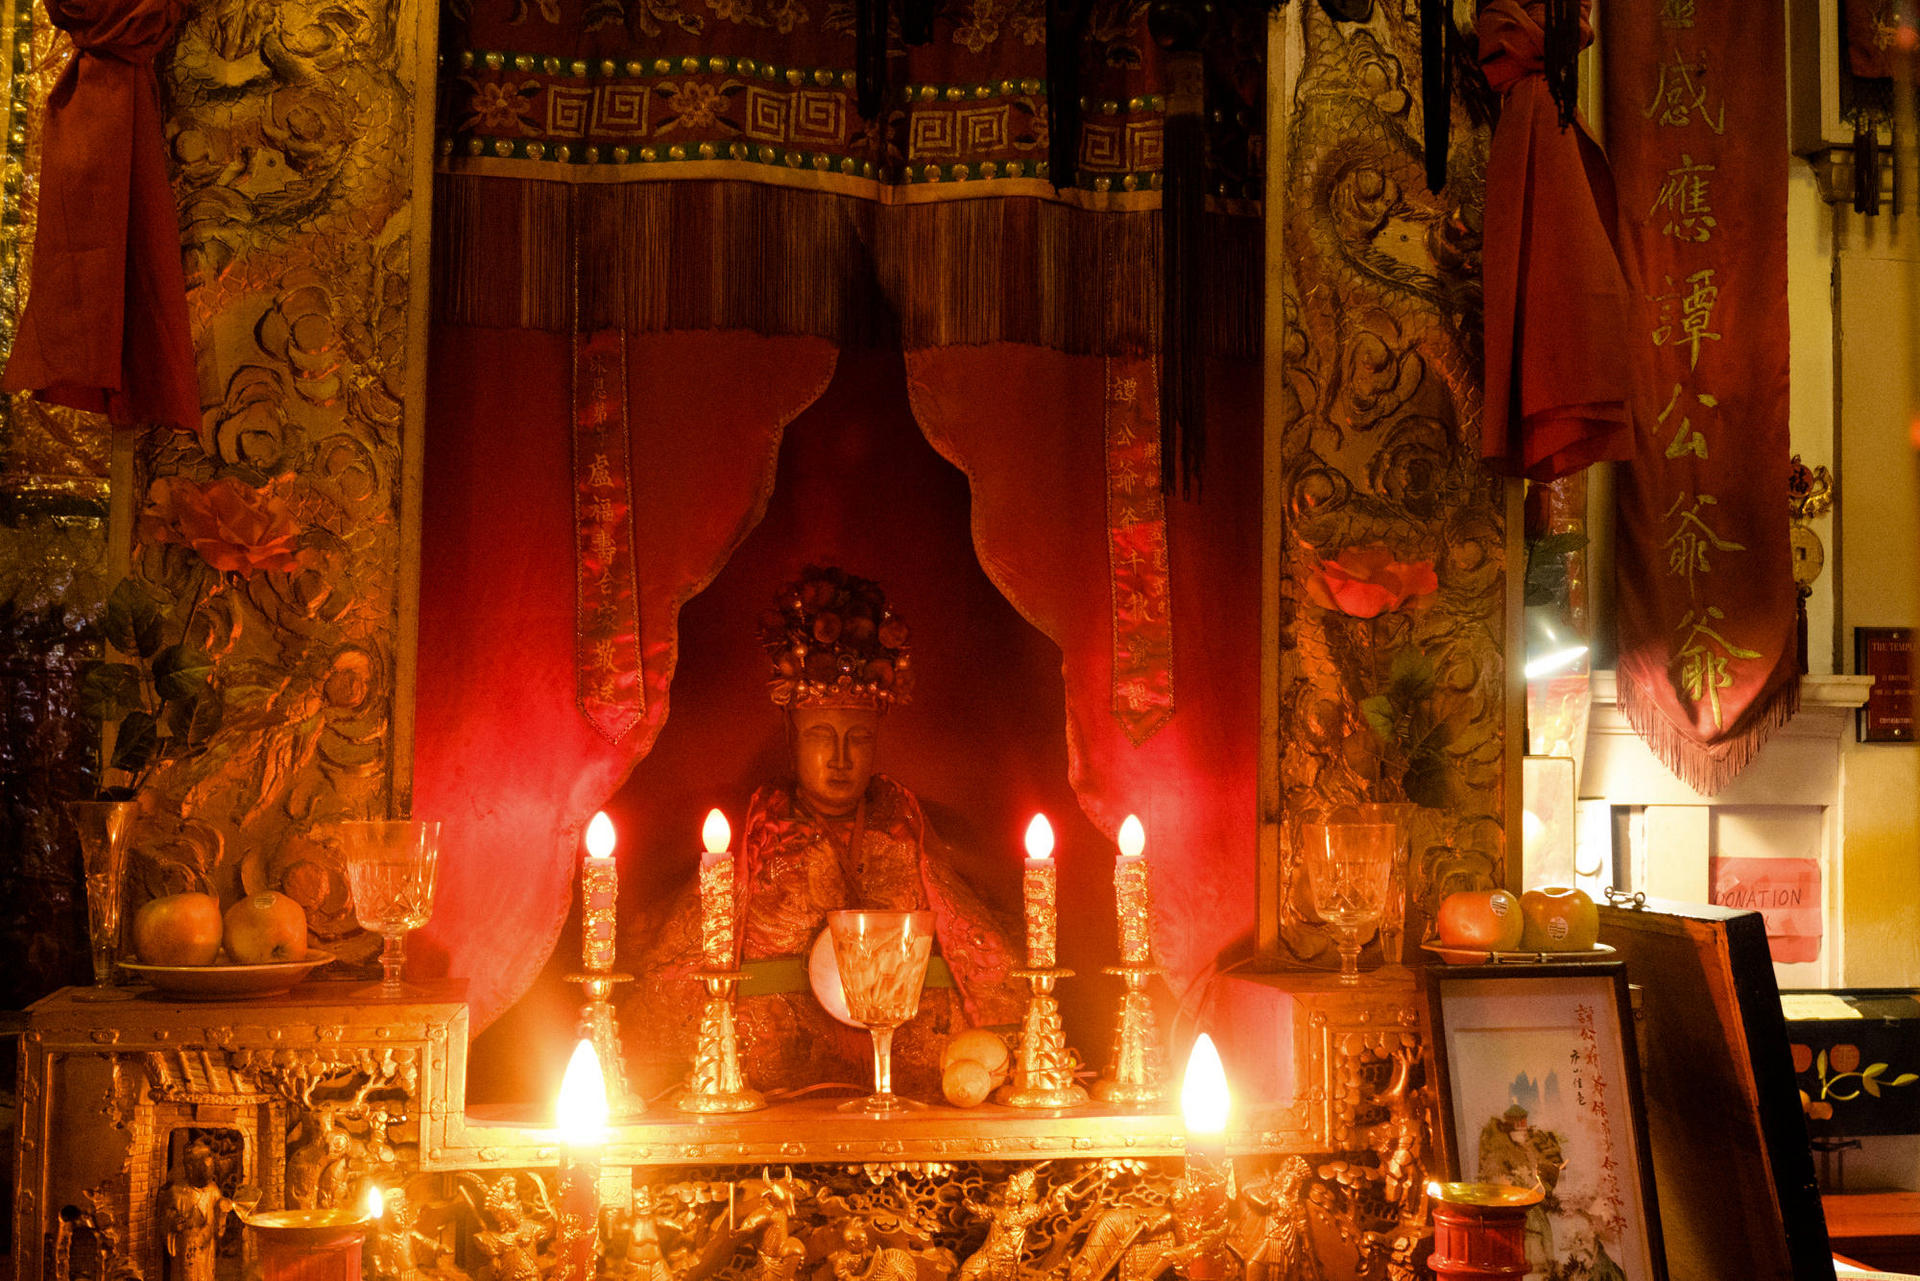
column 234, row 527
column 1365, row 582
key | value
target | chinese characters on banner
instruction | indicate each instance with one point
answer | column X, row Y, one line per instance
column 607, row 622
column 1696, row 127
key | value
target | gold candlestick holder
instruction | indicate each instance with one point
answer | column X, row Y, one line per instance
column 1042, row 1066
column 716, row 1085
column 600, row 1025
column 1138, row 1073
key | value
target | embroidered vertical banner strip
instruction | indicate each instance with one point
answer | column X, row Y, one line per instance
column 1696, row 127
column 607, row 622
column 1137, row 550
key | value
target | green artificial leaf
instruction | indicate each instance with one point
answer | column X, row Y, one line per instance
column 109, row 689
column 138, row 741
column 1905, row 1078
column 1875, row 1069
column 1555, row 546
column 1380, row 715
column 1427, row 781
column 1411, row 678
column 181, row 672
column 1873, row 1086
column 134, row 621
column 200, row 721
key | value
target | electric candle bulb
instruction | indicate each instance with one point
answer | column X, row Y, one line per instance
column 1040, row 893
column 715, row 834
column 716, row 893
column 600, row 836
column 581, row 1113
column 1132, row 902
column 1204, row 1098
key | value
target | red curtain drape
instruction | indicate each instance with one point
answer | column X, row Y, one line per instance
column 105, row 327
column 502, row 755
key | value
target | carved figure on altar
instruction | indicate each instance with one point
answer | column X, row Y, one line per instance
column 778, row 1254
column 509, row 1239
column 1010, row 1217
column 836, row 835
column 1285, row 1251
column 858, row 1260
column 192, row 1215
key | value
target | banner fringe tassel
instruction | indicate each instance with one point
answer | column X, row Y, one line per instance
column 1705, row 769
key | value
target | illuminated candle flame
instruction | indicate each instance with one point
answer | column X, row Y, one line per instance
column 600, row 836
column 1039, row 837
column 376, row 1203
column 582, row 1112
column 1133, row 837
column 715, row 834
column 1204, row 1098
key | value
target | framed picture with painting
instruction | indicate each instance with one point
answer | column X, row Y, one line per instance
column 1538, row 1084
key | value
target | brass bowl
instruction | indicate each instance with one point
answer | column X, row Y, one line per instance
column 1498, row 1195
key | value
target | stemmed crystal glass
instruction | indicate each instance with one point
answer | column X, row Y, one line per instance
column 1349, row 868
column 103, row 828
column 390, row 866
column 883, row 965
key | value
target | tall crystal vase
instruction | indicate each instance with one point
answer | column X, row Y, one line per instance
column 1393, row 920
column 103, row 827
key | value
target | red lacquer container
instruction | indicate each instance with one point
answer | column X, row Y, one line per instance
column 1480, row 1230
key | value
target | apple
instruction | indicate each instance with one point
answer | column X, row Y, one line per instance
column 180, row 929
column 1559, row 920
column 1489, row 919
column 266, row 927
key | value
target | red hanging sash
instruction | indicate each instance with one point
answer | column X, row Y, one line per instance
column 607, row 629
column 1696, row 129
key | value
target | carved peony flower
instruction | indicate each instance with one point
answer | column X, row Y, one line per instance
column 232, row 526
column 1365, row 582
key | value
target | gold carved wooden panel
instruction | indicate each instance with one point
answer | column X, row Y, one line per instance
column 1375, row 385
column 299, row 134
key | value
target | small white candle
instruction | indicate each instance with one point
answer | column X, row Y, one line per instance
column 599, row 894
column 716, row 892
column 1040, row 891
column 1132, row 901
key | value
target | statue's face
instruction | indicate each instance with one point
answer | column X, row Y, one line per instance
column 833, row 755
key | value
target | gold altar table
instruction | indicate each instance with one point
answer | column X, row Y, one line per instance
column 310, row 1097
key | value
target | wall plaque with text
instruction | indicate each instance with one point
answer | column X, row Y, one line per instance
column 1886, row 654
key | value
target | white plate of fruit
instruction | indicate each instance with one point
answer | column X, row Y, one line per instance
column 189, row 949
column 1479, row 927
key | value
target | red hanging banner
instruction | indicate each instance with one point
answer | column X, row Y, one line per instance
column 1137, row 563
column 1697, row 132
column 607, row 631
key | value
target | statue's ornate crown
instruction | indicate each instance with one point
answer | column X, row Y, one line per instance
column 834, row 643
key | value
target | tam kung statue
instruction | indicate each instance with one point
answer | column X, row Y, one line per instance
column 835, row 836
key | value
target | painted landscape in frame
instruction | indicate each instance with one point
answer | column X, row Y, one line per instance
column 1539, row 1088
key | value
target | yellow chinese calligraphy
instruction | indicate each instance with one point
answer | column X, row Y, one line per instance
column 598, row 472
column 1681, row 94
column 1686, row 438
column 1683, row 199
column 1676, row 14
column 1706, row 659
column 601, row 510
column 1694, row 324
column 1691, row 541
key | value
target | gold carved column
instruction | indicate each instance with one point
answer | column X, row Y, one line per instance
column 299, row 134
column 1373, row 401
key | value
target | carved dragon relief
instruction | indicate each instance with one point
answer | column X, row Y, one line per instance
column 1381, row 394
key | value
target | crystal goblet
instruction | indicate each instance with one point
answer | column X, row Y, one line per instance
column 1349, row 868
column 883, row 965
column 103, row 827
column 391, row 865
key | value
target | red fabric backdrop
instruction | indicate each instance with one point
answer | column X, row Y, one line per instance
column 506, row 759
